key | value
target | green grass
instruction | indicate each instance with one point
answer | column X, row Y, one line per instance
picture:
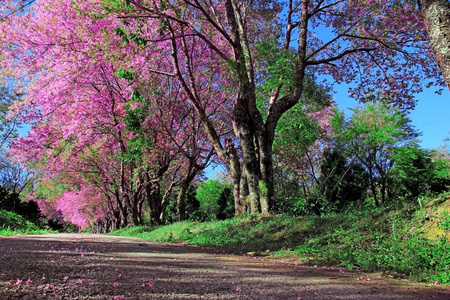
column 407, row 240
column 13, row 224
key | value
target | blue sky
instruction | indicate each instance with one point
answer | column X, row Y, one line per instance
column 431, row 115
column 432, row 118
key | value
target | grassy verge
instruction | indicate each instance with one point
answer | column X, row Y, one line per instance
column 13, row 224
column 411, row 240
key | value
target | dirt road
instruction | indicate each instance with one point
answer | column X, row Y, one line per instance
column 84, row 266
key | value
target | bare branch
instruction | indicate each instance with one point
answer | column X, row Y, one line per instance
column 343, row 54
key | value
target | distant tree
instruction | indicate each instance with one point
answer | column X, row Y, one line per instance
column 8, row 125
column 300, row 139
column 372, row 136
column 418, row 171
column 213, row 200
column 342, row 181
column 9, row 201
column 192, row 205
column 13, row 176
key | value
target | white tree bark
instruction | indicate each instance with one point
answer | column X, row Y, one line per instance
column 436, row 14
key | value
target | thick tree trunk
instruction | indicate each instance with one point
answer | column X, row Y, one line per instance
column 250, row 157
column 436, row 14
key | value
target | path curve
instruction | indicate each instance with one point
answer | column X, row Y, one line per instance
column 88, row 266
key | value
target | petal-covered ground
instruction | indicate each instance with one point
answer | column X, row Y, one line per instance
column 86, row 266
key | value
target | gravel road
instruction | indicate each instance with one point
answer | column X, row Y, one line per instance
column 88, row 266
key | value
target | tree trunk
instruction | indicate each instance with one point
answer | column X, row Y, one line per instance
column 123, row 209
column 244, row 191
column 436, row 14
column 250, row 160
column 236, row 178
column 181, row 205
column 267, row 186
column 154, row 203
column 373, row 187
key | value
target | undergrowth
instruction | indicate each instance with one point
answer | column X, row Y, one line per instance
column 13, row 224
column 404, row 240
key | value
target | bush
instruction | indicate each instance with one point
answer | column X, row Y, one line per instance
column 215, row 198
column 10, row 201
column 417, row 172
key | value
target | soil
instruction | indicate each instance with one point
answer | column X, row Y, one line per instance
column 88, row 266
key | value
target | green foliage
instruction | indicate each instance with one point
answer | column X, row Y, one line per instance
column 376, row 127
column 262, row 187
column 215, row 202
column 275, row 66
column 372, row 137
column 10, row 201
column 296, row 149
column 133, row 121
column 127, row 74
column 226, row 205
column 14, row 224
column 417, row 172
column 341, row 183
column 445, row 222
column 117, row 5
column 192, row 207
column 297, row 128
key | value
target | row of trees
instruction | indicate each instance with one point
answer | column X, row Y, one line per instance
column 129, row 101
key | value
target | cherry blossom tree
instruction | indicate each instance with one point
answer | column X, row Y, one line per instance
column 380, row 47
column 95, row 122
column 76, row 107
